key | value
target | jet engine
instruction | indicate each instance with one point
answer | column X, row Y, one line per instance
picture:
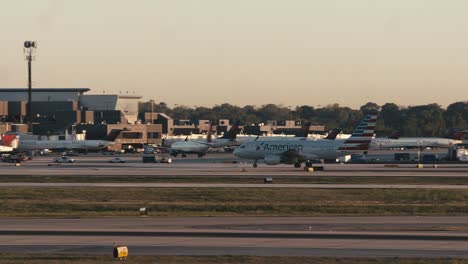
column 272, row 160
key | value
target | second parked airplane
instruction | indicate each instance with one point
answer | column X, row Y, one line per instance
column 31, row 145
column 201, row 147
column 453, row 137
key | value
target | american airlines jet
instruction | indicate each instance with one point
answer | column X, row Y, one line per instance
column 303, row 151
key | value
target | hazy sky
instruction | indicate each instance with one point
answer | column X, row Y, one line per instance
column 243, row 52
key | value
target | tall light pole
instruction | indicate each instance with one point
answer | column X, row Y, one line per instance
column 29, row 50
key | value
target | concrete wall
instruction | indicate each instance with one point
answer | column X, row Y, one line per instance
column 3, row 108
column 49, row 108
column 127, row 104
column 133, row 134
column 17, row 108
column 41, row 94
column 99, row 102
column 109, row 117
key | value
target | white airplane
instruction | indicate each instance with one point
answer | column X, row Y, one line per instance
column 274, row 152
column 201, row 147
column 30, row 145
column 453, row 137
column 167, row 141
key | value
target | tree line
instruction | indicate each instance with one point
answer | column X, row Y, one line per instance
column 421, row 120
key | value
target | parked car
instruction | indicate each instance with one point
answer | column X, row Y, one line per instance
column 63, row 159
column 70, row 153
column 117, row 160
column 15, row 158
column 163, row 160
column 147, row 158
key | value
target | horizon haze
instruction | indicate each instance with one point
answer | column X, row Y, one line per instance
column 243, row 52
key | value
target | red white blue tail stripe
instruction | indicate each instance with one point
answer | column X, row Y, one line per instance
column 362, row 135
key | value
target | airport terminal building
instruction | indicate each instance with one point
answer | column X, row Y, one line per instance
column 56, row 110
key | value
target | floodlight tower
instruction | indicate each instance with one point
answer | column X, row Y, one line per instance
column 29, row 50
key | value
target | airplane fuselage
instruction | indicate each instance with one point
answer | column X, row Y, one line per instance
column 308, row 149
column 198, row 146
column 412, row 142
column 63, row 144
column 189, row 147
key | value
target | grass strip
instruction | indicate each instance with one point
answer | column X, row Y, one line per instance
column 99, row 201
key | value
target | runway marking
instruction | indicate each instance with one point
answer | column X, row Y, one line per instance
column 278, row 235
column 236, row 251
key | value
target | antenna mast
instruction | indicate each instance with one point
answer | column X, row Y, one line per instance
column 29, row 50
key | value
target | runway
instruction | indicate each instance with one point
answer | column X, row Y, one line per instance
column 216, row 236
column 214, row 165
column 387, row 236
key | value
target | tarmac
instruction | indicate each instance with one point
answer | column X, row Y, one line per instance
column 263, row 236
column 386, row 236
column 216, row 165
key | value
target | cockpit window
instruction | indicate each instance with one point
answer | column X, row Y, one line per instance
column 242, row 147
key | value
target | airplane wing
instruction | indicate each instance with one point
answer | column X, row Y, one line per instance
column 289, row 157
column 292, row 156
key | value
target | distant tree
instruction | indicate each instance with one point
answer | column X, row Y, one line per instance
column 228, row 111
column 421, row 120
column 274, row 112
column 425, row 120
column 335, row 116
column 369, row 108
column 305, row 112
column 182, row 112
column 161, row 108
column 203, row 113
column 456, row 115
column 390, row 119
column 251, row 115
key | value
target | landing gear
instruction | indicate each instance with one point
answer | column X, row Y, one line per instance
column 184, row 155
column 297, row 165
column 200, row 155
column 308, row 165
column 255, row 164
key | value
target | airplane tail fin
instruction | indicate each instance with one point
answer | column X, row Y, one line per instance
column 456, row 134
column 333, row 133
column 304, row 132
column 8, row 140
column 112, row 136
column 362, row 135
column 232, row 133
column 209, row 137
column 396, row 134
